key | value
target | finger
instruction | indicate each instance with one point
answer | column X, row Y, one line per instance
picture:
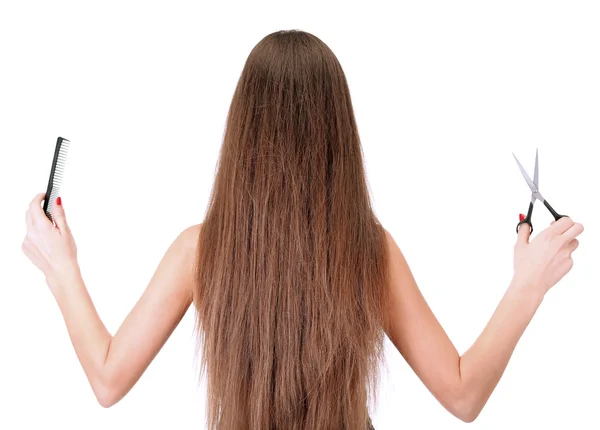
column 28, row 218
column 25, row 248
column 562, row 225
column 36, row 212
column 568, row 265
column 38, row 199
column 575, row 230
column 573, row 245
column 523, row 234
column 58, row 213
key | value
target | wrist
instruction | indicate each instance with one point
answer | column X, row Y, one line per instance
column 63, row 277
column 526, row 292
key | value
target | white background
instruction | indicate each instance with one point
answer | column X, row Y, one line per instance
column 444, row 92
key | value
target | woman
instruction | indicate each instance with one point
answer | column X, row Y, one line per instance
column 294, row 280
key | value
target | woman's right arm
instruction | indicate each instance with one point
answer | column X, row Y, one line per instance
column 463, row 384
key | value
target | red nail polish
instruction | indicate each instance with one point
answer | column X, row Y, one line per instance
column 58, row 201
column 521, row 216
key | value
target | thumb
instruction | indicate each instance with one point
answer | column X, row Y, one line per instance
column 524, row 231
column 58, row 214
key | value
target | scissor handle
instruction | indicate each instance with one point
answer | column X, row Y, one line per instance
column 527, row 219
column 556, row 215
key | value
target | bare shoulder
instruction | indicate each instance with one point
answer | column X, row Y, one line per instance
column 388, row 236
column 182, row 252
column 189, row 237
column 392, row 248
column 401, row 281
column 175, row 272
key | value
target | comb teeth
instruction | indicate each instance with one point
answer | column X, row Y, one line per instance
column 56, row 175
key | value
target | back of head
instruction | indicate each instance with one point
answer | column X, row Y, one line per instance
column 292, row 262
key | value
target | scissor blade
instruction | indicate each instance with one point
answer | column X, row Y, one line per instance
column 535, row 172
column 534, row 189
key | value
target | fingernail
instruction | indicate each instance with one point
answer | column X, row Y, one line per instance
column 521, row 216
column 58, row 201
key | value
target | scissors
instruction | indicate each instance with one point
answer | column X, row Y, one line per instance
column 535, row 195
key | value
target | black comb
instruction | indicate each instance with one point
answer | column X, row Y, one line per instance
column 56, row 175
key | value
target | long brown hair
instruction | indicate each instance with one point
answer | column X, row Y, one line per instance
column 292, row 267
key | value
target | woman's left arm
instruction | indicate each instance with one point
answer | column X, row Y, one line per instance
column 112, row 364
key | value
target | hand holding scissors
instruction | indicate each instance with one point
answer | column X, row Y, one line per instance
column 535, row 195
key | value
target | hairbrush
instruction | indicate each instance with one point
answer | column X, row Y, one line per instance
column 56, row 175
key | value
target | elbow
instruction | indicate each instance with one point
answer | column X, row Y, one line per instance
column 107, row 394
column 467, row 414
column 106, row 397
column 107, row 402
column 463, row 406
